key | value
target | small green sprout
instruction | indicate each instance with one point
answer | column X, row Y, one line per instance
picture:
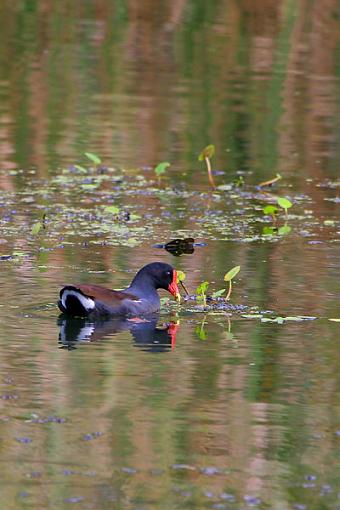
column 201, row 292
column 93, row 157
column 284, row 203
column 270, row 210
column 205, row 155
column 218, row 293
column 238, row 182
column 228, row 277
column 269, row 231
column 160, row 169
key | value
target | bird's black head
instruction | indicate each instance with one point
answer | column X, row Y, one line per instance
column 160, row 276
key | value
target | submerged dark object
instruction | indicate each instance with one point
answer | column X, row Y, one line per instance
column 140, row 298
column 179, row 247
column 145, row 333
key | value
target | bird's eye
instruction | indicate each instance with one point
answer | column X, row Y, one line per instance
column 168, row 273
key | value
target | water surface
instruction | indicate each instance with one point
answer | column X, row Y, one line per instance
column 201, row 408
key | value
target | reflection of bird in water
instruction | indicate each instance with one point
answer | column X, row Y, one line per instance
column 145, row 333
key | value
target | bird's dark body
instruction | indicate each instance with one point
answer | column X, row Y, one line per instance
column 139, row 298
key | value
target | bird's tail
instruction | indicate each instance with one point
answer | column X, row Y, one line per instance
column 74, row 302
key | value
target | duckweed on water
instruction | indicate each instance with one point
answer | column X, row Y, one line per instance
column 228, row 214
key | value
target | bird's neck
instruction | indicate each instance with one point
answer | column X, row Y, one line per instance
column 143, row 288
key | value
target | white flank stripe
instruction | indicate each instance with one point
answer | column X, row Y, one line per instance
column 86, row 302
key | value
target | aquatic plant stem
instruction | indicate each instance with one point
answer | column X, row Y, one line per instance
column 229, row 291
column 210, row 175
column 184, row 287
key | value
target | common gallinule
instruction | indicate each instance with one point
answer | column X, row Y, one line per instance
column 140, row 298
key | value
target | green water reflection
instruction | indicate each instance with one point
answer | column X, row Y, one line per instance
column 109, row 422
column 251, row 78
column 244, row 414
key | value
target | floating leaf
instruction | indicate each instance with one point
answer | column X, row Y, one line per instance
column 93, row 157
column 161, row 168
column 132, row 241
column 36, row 228
column 231, row 273
column 90, row 186
column 296, row 318
column 180, row 276
column 81, row 169
column 207, row 152
column 308, row 317
column 217, row 293
column 225, row 187
column 281, row 320
column 284, row 203
column 278, row 320
column 112, row 209
column 270, row 210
